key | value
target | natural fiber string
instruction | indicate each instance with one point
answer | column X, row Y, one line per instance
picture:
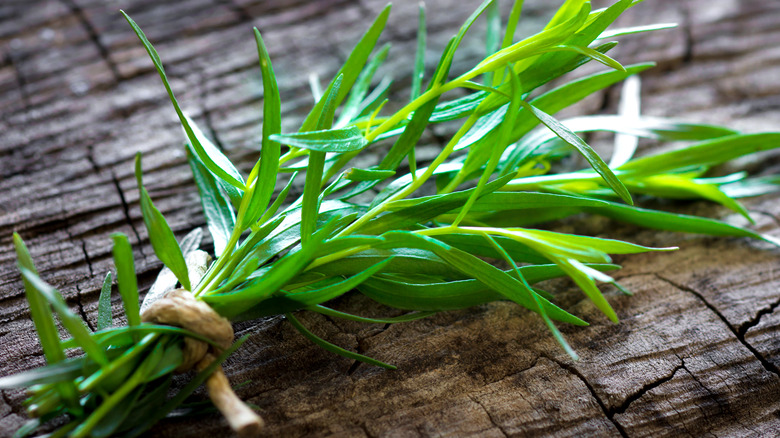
column 179, row 308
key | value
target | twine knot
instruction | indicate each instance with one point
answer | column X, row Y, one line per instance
column 180, row 308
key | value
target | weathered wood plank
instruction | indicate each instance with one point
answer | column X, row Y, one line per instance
column 696, row 351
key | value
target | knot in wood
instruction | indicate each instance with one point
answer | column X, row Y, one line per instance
column 180, row 308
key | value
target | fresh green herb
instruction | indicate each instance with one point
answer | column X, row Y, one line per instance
column 492, row 181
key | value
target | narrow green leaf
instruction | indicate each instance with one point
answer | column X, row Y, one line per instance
column 163, row 241
column 213, row 159
column 492, row 36
column 315, row 295
column 593, row 158
column 474, row 267
column 280, row 198
column 217, row 207
column 334, row 348
column 27, row 428
column 509, row 36
column 352, row 107
column 419, row 58
column 104, row 318
column 329, row 140
column 529, row 290
column 592, row 54
column 39, row 310
column 409, row 212
column 43, row 319
column 356, row 174
column 350, row 317
column 449, row 52
column 125, row 276
column 310, row 203
column 532, row 45
column 63, row 371
column 497, row 148
column 612, row 33
column 706, row 153
column 263, row 178
column 350, row 70
column 69, row 320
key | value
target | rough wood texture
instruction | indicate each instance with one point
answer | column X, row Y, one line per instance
column 698, row 349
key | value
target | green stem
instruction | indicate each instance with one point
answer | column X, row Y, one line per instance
column 208, row 280
column 335, row 256
column 416, row 183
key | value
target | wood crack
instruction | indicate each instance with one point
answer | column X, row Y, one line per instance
column 87, row 258
column 21, row 82
column 769, row 366
column 126, row 211
column 645, row 389
column 80, row 306
column 607, row 412
column 490, row 416
column 757, row 318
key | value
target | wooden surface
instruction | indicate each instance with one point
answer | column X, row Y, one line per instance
column 698, row 348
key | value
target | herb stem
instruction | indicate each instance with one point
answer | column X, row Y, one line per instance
column 416, row 183
column 335, row 256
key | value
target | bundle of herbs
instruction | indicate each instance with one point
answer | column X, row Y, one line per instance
column 369, row 229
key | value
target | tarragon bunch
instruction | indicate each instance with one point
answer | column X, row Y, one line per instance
column 370, row 229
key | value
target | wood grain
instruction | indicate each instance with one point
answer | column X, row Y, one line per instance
column 697, row 350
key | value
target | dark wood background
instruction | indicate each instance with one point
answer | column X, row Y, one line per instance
column 698, row 349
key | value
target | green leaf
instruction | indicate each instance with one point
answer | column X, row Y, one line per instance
column 355, row 174
column 63, row 371
column 706, row 153
column 43, row 319
column 39, row 310
column 310, row 202
column 330, row 140
column 350, row 317
column 282, row 271
column 532, row 45
column 509, row 36
column 492, row 35
column 290, row 302
column 593, row 158
column 125, row 276
column 352, row 107
column 211, row 157
column 350, row 70
column 530, row 291
column 474, row 267
column 262, row 185
column 104, row 318
column 334, row 348
column 419, row 58
column 612, row 33
column 163, row 241
column 186, row 391
column 441, row 74
column 420, row 210
column 69, row 320
column 217, row 207
column 497, row 148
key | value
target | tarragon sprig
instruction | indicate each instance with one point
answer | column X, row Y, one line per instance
column 492, row 180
